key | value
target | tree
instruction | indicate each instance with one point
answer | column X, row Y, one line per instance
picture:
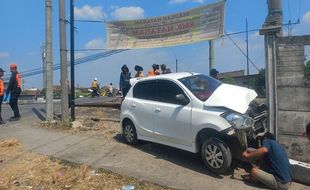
column 307, row 68
column 259, row 83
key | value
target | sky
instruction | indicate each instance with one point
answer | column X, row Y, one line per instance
column 22, row 35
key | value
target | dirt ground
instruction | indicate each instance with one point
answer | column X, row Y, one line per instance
column 20, row 169
column 100, row 122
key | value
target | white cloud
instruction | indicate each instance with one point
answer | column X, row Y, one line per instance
column 88, row 12
column 306, row 18
column 4, row 54
column 95, row 44
column 128, row 13
column 184, row 1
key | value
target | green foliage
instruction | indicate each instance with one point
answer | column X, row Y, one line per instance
column 229, row 80
column 259, row 83
column 307, row 68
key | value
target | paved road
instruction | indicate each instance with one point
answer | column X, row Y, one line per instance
column 148, row 161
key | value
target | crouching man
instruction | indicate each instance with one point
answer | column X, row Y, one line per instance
column 277, row 174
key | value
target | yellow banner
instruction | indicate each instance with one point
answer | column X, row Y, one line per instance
column 195, row 25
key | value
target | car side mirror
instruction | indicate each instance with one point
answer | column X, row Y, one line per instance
column 181, row 99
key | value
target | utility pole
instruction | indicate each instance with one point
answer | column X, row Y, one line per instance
column 49, row 61
column 63, row 61
column 211, row 55
column 43, row 56
column 72, row 59
column 247, row 53
column 272, row 29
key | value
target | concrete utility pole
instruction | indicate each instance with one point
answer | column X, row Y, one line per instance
column 63, row 61
column 43, row 56
column 49, row 61
column 72, row 59
column 272, row 28
column 211, row 55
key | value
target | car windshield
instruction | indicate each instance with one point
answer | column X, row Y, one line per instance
column 201, row 86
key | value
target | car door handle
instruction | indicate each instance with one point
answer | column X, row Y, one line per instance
column 134, row 105
column 157, row 110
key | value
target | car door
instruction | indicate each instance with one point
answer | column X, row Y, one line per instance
column 172, row 117
column 144, row 95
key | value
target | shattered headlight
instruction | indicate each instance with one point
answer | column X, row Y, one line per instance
column 238, row 121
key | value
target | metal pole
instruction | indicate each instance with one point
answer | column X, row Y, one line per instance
column 247, row 53
column 176, row 65
column 72, row 59
column 49, row 61
column 211, row 55
column 63, row 61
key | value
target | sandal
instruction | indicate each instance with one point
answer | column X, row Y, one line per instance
column 249, row 179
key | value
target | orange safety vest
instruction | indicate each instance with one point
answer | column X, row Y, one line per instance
column 1, row 87
column 19, row 80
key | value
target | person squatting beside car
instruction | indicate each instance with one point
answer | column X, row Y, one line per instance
column 277, row 174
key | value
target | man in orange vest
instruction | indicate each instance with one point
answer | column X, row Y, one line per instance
column 1, row 93
column 155, row 71
column 14, row 87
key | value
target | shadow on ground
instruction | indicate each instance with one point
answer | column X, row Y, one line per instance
column 177, row 156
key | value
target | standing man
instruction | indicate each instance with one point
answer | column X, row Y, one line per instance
column 14, row 88
column 164, row 69
column 124, row 81
column 1, row 93
column 307, row 133
column 278, row 174
column 214, row 73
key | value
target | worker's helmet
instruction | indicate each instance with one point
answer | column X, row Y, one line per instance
column 95, row 78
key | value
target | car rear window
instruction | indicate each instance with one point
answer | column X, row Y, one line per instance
column 145, row 90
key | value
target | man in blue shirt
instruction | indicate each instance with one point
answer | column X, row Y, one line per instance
column 278, row 174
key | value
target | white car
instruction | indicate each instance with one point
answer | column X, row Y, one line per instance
column 193, row 112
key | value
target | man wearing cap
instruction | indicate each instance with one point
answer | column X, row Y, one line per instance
column 214, row 73
column 1, row 93
column 155, row 71
column 164, row 69
column 14, row 88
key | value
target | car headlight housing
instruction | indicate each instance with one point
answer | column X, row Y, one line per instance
column 238, row 121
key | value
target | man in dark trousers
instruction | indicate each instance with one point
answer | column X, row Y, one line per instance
column 1, row 93
column 14, row 88
column 278, row 174
column 307, row 133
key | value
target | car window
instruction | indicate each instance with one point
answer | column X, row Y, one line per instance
column 145, row 90
column 201, row 86
column 167, row 91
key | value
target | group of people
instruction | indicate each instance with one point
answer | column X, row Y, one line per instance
column 124, row 82
column 13, row 91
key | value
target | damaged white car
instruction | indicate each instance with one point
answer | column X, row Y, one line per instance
column 193, row 112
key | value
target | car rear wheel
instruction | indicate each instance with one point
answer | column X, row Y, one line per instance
column 216, row 155
column 130, row 133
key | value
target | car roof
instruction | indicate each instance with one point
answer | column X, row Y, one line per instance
column 175, row 76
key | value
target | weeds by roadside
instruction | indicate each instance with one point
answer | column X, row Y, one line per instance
column 21, row 169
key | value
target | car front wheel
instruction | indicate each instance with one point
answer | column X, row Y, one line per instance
column 216, row 155
column 130, row 133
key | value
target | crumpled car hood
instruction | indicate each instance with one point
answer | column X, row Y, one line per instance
column 232, row 97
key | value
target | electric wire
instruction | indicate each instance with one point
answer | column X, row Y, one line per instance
column 238, row 47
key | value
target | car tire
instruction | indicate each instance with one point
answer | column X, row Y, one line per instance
column 130, row 133
column 216, row 155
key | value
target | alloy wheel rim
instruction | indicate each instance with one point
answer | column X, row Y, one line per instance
column 214, row 156
column 129, row 134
